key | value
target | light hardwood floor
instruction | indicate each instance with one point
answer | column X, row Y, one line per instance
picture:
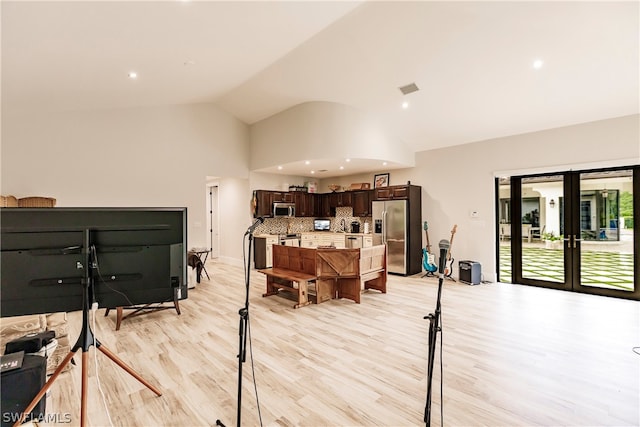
column 512, row 356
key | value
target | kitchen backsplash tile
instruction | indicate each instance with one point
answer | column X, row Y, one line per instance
column 302, row 225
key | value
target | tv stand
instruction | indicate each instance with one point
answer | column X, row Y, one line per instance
column 144, row 309
column 84, row 342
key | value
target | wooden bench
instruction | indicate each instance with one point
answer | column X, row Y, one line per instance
column 344, row 273
column 294, row 268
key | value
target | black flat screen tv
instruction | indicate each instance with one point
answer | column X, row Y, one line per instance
column 130, row 256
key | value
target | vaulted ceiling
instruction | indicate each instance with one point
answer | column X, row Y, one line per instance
column 472, row 61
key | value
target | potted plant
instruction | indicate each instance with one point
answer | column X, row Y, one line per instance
column 552, row 241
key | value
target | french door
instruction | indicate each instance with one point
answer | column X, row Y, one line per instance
column 576, row 231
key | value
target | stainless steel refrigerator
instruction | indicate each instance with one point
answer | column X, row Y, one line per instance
column 390, row 226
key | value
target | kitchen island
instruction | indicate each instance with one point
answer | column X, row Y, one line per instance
column 336, row 273
column 263, row 254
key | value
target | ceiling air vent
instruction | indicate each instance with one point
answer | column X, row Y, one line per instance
column 410, row 88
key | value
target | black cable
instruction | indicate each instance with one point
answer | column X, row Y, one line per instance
column 253, row 372
column 246, row 278
column 97, row 267
column 636, row 350
column 441, row 376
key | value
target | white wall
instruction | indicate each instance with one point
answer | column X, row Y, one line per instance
column 275, row 182
column 319, row 130
column 460, row 179
column 143, row 157
column 162, row 157
column 235, row 218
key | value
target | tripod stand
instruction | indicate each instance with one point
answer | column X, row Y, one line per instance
column 244, row 324
column 434, row 328
column 85, row 340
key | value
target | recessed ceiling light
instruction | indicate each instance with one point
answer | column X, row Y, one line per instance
column 347, row 160
column 384, row 163
column 405, row 105
column 279, row 168
column 313, row 172
column 307, row 162
column 133, row 75
column 341, row 167
column 538, row 63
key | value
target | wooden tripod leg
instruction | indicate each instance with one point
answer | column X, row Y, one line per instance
column 44, row 389
column 131, row 372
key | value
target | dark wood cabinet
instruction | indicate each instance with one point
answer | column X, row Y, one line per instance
column 361, row 202
column 346, row 199
column 282, row 196
column 320, row 205
column 263, row 201
column 338, row 200
column 395, row 192
column 305, row 204
column 324, row 205
column 330, row 201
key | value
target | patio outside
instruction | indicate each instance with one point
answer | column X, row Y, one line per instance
column 604, row 264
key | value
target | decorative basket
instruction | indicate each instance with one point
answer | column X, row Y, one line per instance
column 36, row 202
column 360, row 186
column 8, row 202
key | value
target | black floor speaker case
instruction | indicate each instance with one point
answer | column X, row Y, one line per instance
column 470, row 272
column 20, row 386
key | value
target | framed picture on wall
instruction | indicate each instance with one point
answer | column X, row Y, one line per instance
column 381, row 180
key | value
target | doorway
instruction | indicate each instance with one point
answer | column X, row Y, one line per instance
column 213, row 234
column 572, row 230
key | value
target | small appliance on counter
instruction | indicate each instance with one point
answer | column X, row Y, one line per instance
column 321, row 225
column 366, row 228
column 355, row 226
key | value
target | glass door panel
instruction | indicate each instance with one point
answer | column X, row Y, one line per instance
column 573, row 231
column 504, row 229
column 606, row 230
column 543, row 256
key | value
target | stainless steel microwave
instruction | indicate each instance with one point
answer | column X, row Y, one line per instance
column 281, row 209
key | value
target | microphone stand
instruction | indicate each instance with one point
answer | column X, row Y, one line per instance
column 244, row 323
column 434, row 328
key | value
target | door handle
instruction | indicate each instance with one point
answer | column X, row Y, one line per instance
column 575, row 239
column 384, row 227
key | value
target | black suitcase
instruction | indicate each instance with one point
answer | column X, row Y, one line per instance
column 20, row 386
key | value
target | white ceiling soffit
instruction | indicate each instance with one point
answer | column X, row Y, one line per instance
column 472, row 62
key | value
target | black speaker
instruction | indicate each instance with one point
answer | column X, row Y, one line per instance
column 20, row 386
column 470, row 272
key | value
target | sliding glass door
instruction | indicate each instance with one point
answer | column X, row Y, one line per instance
column 573, row 231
